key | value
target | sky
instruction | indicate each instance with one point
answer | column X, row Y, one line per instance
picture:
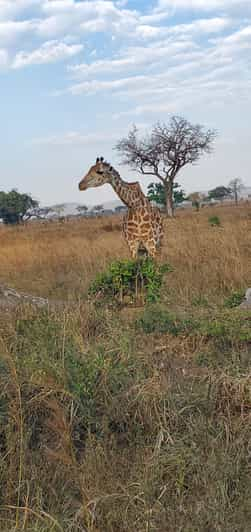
column 77, row 74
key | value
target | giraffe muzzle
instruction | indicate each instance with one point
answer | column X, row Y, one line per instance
column 82, row 186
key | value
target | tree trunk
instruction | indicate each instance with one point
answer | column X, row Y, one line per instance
column 169, row 199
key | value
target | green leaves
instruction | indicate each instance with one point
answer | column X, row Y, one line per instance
column 14, row 206
column 220, row 193
column 234, row 299
column 128, row 278
column 156, row 192
column 214, row 221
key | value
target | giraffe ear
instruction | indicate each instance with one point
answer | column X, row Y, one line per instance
column 111, row 168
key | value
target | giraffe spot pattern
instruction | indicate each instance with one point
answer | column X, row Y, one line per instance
column 142, row 225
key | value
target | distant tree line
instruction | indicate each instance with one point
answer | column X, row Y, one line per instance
column 156, row 193
column 17, row 208
column 162, row 153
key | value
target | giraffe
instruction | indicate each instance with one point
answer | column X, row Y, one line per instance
column 142, row 224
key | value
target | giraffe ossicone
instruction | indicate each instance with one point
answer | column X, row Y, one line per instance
column 142, row 224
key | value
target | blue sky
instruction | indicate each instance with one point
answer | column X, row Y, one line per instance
column 76, row 74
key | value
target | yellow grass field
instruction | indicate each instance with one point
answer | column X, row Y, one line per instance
column 132, row 419
column 60, row 259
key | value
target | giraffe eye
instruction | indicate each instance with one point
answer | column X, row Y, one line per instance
column 100, row 172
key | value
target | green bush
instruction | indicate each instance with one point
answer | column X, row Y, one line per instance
column 130, row 278
column 234, row 299
column 199, row 301
column 159, row 320
column 214, row 221
column 94, row 377
column 225, row 332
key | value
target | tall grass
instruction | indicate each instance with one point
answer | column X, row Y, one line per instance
column 61, row 259
column 136, row 420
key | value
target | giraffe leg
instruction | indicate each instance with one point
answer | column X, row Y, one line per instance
column 151, row 248
column 133, row 247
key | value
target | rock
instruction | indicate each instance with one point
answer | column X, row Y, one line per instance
column 246, row 304
column 10, row 298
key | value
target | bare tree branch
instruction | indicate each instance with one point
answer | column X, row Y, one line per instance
column 165, row 150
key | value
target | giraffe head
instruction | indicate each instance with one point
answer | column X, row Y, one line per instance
column 98, row 175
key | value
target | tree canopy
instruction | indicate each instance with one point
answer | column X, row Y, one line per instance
column 220, row 193
column 98, row 208
column 16, row 207
column 156, row 192
column 82, row 209
column 165, row 150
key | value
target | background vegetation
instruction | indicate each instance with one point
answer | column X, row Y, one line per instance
column 132, row 420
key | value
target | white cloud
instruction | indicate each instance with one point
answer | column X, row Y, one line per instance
column 11, row 30
column 243, row 35
column 95, row 86
column 155, row 59
column 76, row 138
column 154, row 18
column 134, row 58
column 4, row 58
column 12, row 8
column 146, row 31
column 180, row 41
column 49, row 52
column 51, row 19
column 204, row 5
column 203, row 26
column 86, row 17
column 121, row 3
column 190, row 94
column 194, row 75
column 176, row 72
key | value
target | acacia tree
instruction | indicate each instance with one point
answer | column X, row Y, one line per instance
column 156, row 192
column 82, row 209
column 220, row 193
column 16, row 207
column 235, row 186
column 98, row 208
column 41, row 213
column 165, row 150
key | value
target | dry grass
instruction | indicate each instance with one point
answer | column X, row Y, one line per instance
column 60, row 259
column 132, row 421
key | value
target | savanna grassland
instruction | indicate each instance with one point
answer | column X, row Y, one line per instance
column 131, row 419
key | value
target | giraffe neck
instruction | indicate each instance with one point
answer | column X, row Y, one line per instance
column 130, row 195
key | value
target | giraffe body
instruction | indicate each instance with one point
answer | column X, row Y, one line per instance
column 142, row 228
column 142, row 225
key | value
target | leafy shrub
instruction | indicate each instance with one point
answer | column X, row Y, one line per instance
column 92, row 375
column 214, row 221
column 41, row 344
column 199, row 301
column 130, row 278
column 226, row 331
column 49, row 355
column 234, row 299
column 161, row 321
